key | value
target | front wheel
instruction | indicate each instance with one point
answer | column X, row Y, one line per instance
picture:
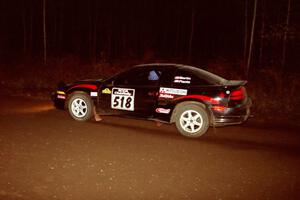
column 80, row 107
column 191, row 120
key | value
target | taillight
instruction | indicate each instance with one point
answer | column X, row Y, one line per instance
column 222, row 95
column 238, row 94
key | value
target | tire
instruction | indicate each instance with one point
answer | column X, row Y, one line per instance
column 80, row 106
column 191, row 119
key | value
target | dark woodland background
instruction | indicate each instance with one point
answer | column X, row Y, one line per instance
column 45, row 41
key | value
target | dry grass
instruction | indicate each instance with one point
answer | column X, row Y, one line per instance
column 274, row 94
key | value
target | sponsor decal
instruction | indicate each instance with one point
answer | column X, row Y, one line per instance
column 182, row 79
column 122, row 99
column 106, row 91
column 172, row 91
column 94, row 94
column 166, row 96
column 162, row 110
column 60, row 96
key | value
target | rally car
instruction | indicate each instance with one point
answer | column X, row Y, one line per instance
column 190, row 97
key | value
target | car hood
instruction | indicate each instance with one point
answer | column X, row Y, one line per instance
column 89, row 81
column 63, row 86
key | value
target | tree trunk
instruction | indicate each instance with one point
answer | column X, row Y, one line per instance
column 30, row 34
column 246, row 32
column 285, row 35
column 24, row 32
column 44, row 32
column 175, row 54
column 191, row 35
column 94, row 41
column 90, row 18
column 54, row 35
column 60, row 28
column 251, row 39
column 27, row 20
column 262, row 33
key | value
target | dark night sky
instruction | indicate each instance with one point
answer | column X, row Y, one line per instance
column 115, row 29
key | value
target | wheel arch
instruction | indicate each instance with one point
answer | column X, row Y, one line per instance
column 80, row 90
column 190, row 101
column 77, row 91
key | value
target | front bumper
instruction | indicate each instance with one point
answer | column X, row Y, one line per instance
column 58, row 102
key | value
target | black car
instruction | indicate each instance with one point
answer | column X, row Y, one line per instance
column 192, row 98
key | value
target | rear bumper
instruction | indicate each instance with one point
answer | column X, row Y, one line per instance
column 231, row 116
column 229, row 120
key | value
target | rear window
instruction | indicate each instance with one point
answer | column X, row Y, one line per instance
column 187, row 78
column 207, row 76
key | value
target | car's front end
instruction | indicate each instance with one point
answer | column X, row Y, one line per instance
column 60, row 96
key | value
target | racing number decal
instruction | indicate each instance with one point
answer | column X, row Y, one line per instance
column 122, row 99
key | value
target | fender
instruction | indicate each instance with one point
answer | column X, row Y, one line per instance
column 90, row 89
column 86, row 86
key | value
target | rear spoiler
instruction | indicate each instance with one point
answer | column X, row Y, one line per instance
column 236, row 83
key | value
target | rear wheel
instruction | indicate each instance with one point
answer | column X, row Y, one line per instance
column 191, row 119
column 80, row 106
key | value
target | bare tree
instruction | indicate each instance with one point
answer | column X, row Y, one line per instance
column 177, row 38
column 61, row 19
column 251, row 38
column 44, row 32
column 246, row 32
column 27, row 21
column 285, row 35
column 24, row 30
column 93, row 21
column 262, row 33
column 191, row 35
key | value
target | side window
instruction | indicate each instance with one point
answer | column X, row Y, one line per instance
column 121, row 79
column 167, row 77
column 153, row 75
column 139, row 77
column 185, row 78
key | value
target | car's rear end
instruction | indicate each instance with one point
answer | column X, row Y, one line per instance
column 235, row 108
column 229, row 102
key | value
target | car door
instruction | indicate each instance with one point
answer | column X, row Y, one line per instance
column 132, row 93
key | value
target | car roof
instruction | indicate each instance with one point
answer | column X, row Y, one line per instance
column 208, row 76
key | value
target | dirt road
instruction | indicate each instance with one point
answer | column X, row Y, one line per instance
column 44, row 154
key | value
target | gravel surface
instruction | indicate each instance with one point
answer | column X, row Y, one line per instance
column 44, row 154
